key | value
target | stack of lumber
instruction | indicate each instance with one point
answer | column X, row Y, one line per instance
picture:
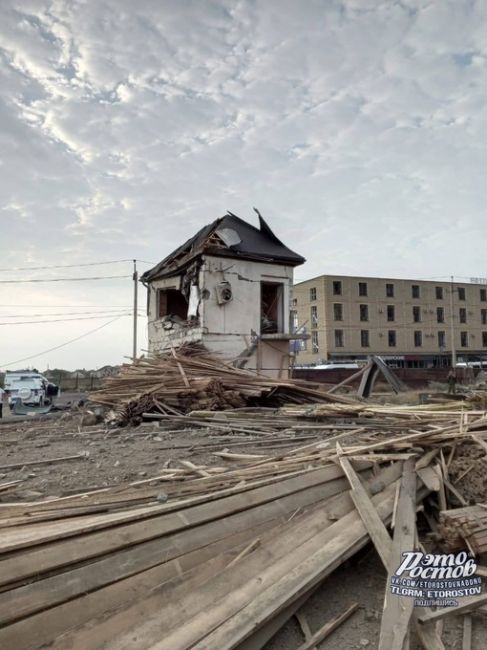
column 465, row 527
column 211, row 571
column 192, row 378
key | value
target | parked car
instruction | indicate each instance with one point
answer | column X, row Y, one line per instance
column 29, row 387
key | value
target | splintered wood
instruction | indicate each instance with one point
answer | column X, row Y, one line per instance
column 191, row 378
column 220, row 556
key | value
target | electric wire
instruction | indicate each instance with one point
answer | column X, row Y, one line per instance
column 100, row 277
column 62, row 345
column 37, row 306
column 70, row 266
column 103, row 312
column 65, row 320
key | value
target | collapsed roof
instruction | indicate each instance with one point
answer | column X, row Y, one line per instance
column 228, row 236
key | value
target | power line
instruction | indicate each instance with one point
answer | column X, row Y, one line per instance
column 62, row 345
column 65, row 320
column 103, row 312
column 59, row 306
column 61, row 320
column 69, row 266
column 101, row 277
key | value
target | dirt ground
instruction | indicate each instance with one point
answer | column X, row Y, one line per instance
column 108, row 457
column 105, row 457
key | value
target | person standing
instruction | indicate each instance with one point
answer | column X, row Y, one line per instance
column 452, row 381
column 2, row 393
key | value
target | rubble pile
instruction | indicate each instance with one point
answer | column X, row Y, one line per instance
column 192, row 378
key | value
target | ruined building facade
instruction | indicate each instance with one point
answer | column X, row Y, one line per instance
column 228, row 287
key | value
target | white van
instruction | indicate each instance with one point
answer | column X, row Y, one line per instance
column 29, row 387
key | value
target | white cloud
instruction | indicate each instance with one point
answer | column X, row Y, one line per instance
column 356, row 126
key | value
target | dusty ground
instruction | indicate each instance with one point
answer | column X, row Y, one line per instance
column 108, row 457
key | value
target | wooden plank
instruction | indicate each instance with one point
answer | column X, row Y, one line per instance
column 258, row 598
column 263, row 502
column 467, row 632
column 38, row 534
column 397, row 611
column 169, row 615
column 45, row 461
column 430, row 478
column 328, row 628
column 263, row 634
column 117, row 565
column 375, row 527
column 305, row 628
column 41, row 628
column 467, row 604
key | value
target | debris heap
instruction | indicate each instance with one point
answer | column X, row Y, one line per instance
column 222, row 556
column 192, row 378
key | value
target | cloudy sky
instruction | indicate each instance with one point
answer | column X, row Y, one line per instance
column 357, row 127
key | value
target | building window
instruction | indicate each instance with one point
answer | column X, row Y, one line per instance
column 440, row 315
column 171, row 302
column 314, row 316
column 391, row 313
column 416, row 314
column 415, row 292
column 338, row 311
column 439, row 293
column 314, row 342
column 483, row 295
column 362, row 288
column 392, row 338
column 337, row 288
column 364, row 338
column 271, row 307
column 294, row 302
column 464, row 339
column 441, row 340
column 418, row 338
column 339, row 338
column 484, row 339
column 390, row 290
column 461, row 293
column 462, row 314
column 364, row 312
column 483, row 316
column 312, row 294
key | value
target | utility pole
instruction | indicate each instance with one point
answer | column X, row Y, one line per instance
column 452, row 328
column 135, row 278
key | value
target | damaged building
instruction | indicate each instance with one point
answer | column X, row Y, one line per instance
column 228, row 287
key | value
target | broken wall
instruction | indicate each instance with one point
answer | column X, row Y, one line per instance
column 229, row 313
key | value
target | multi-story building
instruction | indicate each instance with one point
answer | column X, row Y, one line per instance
column 409, row 322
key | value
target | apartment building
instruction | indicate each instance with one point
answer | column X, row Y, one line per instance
column 406, row 321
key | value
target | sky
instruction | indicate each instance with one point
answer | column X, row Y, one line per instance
column 357, row 127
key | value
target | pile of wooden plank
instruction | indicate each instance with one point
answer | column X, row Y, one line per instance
column 465, row 527
column 221, row 556
column 210, row 571
column 190, row 379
